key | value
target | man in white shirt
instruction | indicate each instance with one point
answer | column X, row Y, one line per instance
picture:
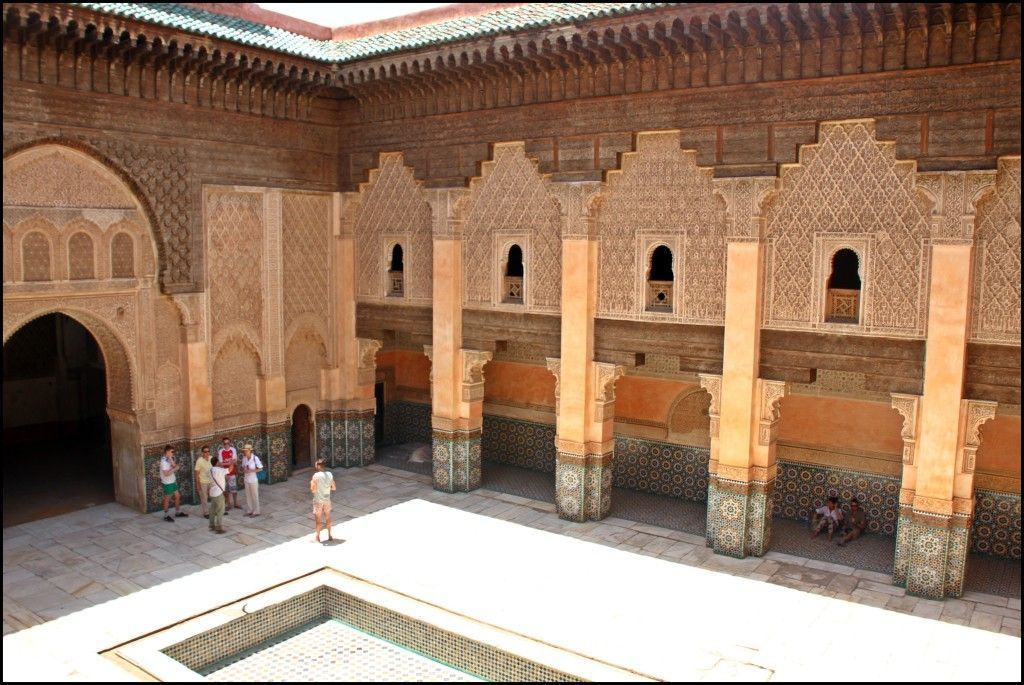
column 826, row 517
column 170, row 483
column 218, row 486
column 251, row 465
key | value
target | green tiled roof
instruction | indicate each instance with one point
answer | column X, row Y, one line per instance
column 205, row 23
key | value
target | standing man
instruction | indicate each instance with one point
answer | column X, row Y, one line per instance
column 218, row 486
column 322, row 485
column 228, row 458
column 170, row 482
column 203, row 479
column 251, row 465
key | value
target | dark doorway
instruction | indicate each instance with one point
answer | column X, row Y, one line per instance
column 378, row 418
column 302, row 437
column 56, row 441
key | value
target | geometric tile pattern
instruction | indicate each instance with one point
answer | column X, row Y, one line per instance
column 993, row 575
column 662, row 468
column 406, row 422
column 346, row 438
column 800, row 488
column 739, row 519
column 931, row 557
column 520, row 443
column 996, row 528
column 869, row 552
column 515, row 480
column 456, row 457
column 583, row 492
column 328, row 650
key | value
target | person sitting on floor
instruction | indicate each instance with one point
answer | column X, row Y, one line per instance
column 829, row 516
column 855, row 525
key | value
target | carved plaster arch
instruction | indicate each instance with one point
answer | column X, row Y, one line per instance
column 689, row 395
column 238, row 332
column 120, row 365
column 20, row 155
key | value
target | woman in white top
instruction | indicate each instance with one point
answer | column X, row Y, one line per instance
column 251, row 465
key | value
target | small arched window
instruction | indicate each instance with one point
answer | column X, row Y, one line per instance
column 659, row 280
column 80, row 257
column 842, row 293
column 396, row 276
column 513, row 281
column 122, row 256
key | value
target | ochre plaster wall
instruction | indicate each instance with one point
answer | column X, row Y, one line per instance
column 999, row 453
column 647, row 399
column 412, row 369
column 840, row 423
column 519, row 384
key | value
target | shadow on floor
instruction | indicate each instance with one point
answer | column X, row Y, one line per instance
column 993, row 575
column 870, row 552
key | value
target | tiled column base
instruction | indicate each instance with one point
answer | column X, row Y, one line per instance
column 346, row 438
column 583, row 485
column 739, row 517
column 456, row 460
column 931, row 554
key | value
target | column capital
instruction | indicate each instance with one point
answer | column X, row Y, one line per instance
column 909, row 408
column 771, row 393
column 473, row 362
column 605, row 376
column 554, row 365
column 367, row 359
column 577, row 202
column 448, row 209
column 975, row 413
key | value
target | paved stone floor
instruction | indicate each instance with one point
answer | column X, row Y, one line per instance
column 56, row 566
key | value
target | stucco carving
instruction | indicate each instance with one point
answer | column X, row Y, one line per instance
column 713, row 385
column 305, row 356
column 234, row 223
column 306, row 272
column 473, row 362
column 908, row 407
column 953, row 194
column 367, row 355
column 661, row 195
column 511, row 197
column 392, row 203
column 849, row 182
column 996, row 311
column 56, row 176
column 575, row 201
column 236, row 368
column 977, row 413
column 554, row 365
column 771, row 393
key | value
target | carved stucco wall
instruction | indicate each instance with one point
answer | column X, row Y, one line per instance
column 996, row 311
column 848, row 190
column 661, row 196
column 236, row 368
column 235, row 235
column 161, row 178
column 71, row 209
column 306, row 283
column 393, row 209
column 170, row 405
column 511, row 203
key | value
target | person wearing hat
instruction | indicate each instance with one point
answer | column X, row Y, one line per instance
column 251, row 465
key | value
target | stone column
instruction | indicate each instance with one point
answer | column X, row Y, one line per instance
column 345, row 432
column 936, row 497
column 584, row 388
column 456, row 386
column 741, row 482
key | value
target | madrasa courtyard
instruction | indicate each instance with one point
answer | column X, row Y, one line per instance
column 665, row 341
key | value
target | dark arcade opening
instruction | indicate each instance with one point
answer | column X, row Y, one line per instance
column 302, row 434
column 56, row 441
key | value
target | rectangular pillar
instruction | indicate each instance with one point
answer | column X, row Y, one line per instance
column 742, row 476
column 935, row 514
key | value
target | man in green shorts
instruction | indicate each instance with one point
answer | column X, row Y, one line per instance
column 322, row 485
column 168, row 469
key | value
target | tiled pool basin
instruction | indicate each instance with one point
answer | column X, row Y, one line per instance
column 328, row 626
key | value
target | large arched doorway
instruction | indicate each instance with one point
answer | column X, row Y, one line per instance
column 56, row 434
column 302, row 437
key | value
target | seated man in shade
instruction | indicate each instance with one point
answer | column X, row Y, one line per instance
column 855, row 524
column 828, row 517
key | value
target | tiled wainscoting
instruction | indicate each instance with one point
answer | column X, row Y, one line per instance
column 406, row 422
column 996, row 529
column 800, row 488
column 519, row 443
column 661, row 468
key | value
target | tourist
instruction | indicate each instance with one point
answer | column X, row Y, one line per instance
column 218, row 487
column 322, row 485
column 251, row 465
column 828, row 516
column 168, row 469
column 203, row 479
column 228, row 459
column 855, row 525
